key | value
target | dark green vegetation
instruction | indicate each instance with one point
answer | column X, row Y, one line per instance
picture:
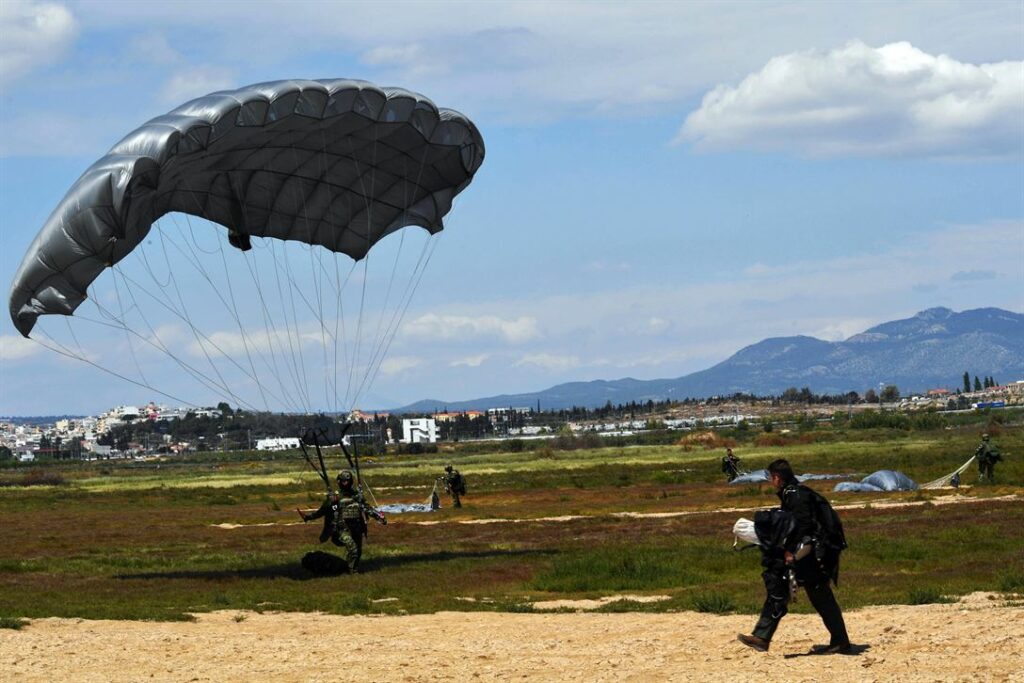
column 141, row 541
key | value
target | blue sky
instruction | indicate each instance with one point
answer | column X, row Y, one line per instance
column 665, row 183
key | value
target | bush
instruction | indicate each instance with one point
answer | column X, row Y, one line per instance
column 926, row 596
column 713, row 603
column 1012, row 582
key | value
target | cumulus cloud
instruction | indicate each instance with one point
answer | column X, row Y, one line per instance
column 548, row 361
column 195, row 82
column 470, row 361
column 14, row 347
column 894, row 100
column 461, row 327
column 393, row 366
column 34, row 34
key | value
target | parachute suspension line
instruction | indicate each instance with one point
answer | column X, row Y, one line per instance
column 233, row 308
column 57, row 347
column 195, row 262
column 292, row 327
column 238, row 320
column 181, row 312
column 339, row 319
column 121, row 324
column 350, row 399
column 116, row 323
column 381, row 340
column 273, row 342
column 315, row 272
column 127, row 335
column 271, row 333
column 421, row 267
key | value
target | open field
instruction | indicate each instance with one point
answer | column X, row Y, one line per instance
column 167, row 543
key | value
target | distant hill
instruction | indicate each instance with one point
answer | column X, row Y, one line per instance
column 930, row 350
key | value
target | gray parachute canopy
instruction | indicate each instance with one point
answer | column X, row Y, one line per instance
column 882, row 480
column 336, row 163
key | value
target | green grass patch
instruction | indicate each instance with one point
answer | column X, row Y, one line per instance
column 713, row 603
column 12, row 623
column 926, row 596
column 1012, row 582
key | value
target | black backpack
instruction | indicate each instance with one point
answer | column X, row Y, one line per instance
column 829, row 539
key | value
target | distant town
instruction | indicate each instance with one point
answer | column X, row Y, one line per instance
column 127, row 432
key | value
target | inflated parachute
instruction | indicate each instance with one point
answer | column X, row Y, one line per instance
column 336, row 163
column 295, row 182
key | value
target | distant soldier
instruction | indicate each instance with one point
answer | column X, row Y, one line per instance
column 730, row 465
column 344, row 519
column 454, row 485
column 987, row 455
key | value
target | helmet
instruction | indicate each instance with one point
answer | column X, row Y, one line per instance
column 984, row 437
column 448, row 467
column 345, row 477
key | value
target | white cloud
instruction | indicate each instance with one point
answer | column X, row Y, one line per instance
column 548, row 361
column 14, row 347
column 470, row 361
column 530, row 61
column 656, row 325
column 393, row 366
column 461, row 327
column 196, row 81
column 34, row 34
column 155, row 48
column 894, row 100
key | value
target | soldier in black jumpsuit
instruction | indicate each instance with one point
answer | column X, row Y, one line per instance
column 799, row 501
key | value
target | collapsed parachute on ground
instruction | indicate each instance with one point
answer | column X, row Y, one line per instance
column 882, row 480
column 336, row 163
column 761, row 476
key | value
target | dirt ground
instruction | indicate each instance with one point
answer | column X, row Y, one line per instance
column 978, row 639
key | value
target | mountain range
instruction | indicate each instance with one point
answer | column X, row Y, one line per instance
column 930, row 350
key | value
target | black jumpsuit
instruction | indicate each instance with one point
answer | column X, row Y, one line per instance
column 800, row 502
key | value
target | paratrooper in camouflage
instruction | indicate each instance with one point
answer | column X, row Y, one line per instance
column 988, row 455
column 344, row 521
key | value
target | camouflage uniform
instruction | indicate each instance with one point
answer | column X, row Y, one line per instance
column 988, row 455
column 344, row 522
column 454, row 484
column 730, row 465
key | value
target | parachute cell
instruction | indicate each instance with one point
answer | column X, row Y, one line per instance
column 335, row 163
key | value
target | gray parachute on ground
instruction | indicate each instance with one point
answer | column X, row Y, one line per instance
column 336, row 163
column 882, row 480
column 761, row 476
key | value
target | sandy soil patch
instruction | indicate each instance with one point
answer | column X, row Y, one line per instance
column 979, row 639
column 881, row 503
column 584, row 605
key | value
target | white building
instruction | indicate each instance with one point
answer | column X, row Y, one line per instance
column 419, row 430
column 277, row 444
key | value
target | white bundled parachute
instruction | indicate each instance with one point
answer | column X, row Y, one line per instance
column 744, row 531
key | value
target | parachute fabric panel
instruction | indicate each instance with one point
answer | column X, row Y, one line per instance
column 882, row 480
column 335, row 163
column 943, row 482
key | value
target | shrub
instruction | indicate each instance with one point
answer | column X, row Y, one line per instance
column 926, row 596
column 713, row 603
